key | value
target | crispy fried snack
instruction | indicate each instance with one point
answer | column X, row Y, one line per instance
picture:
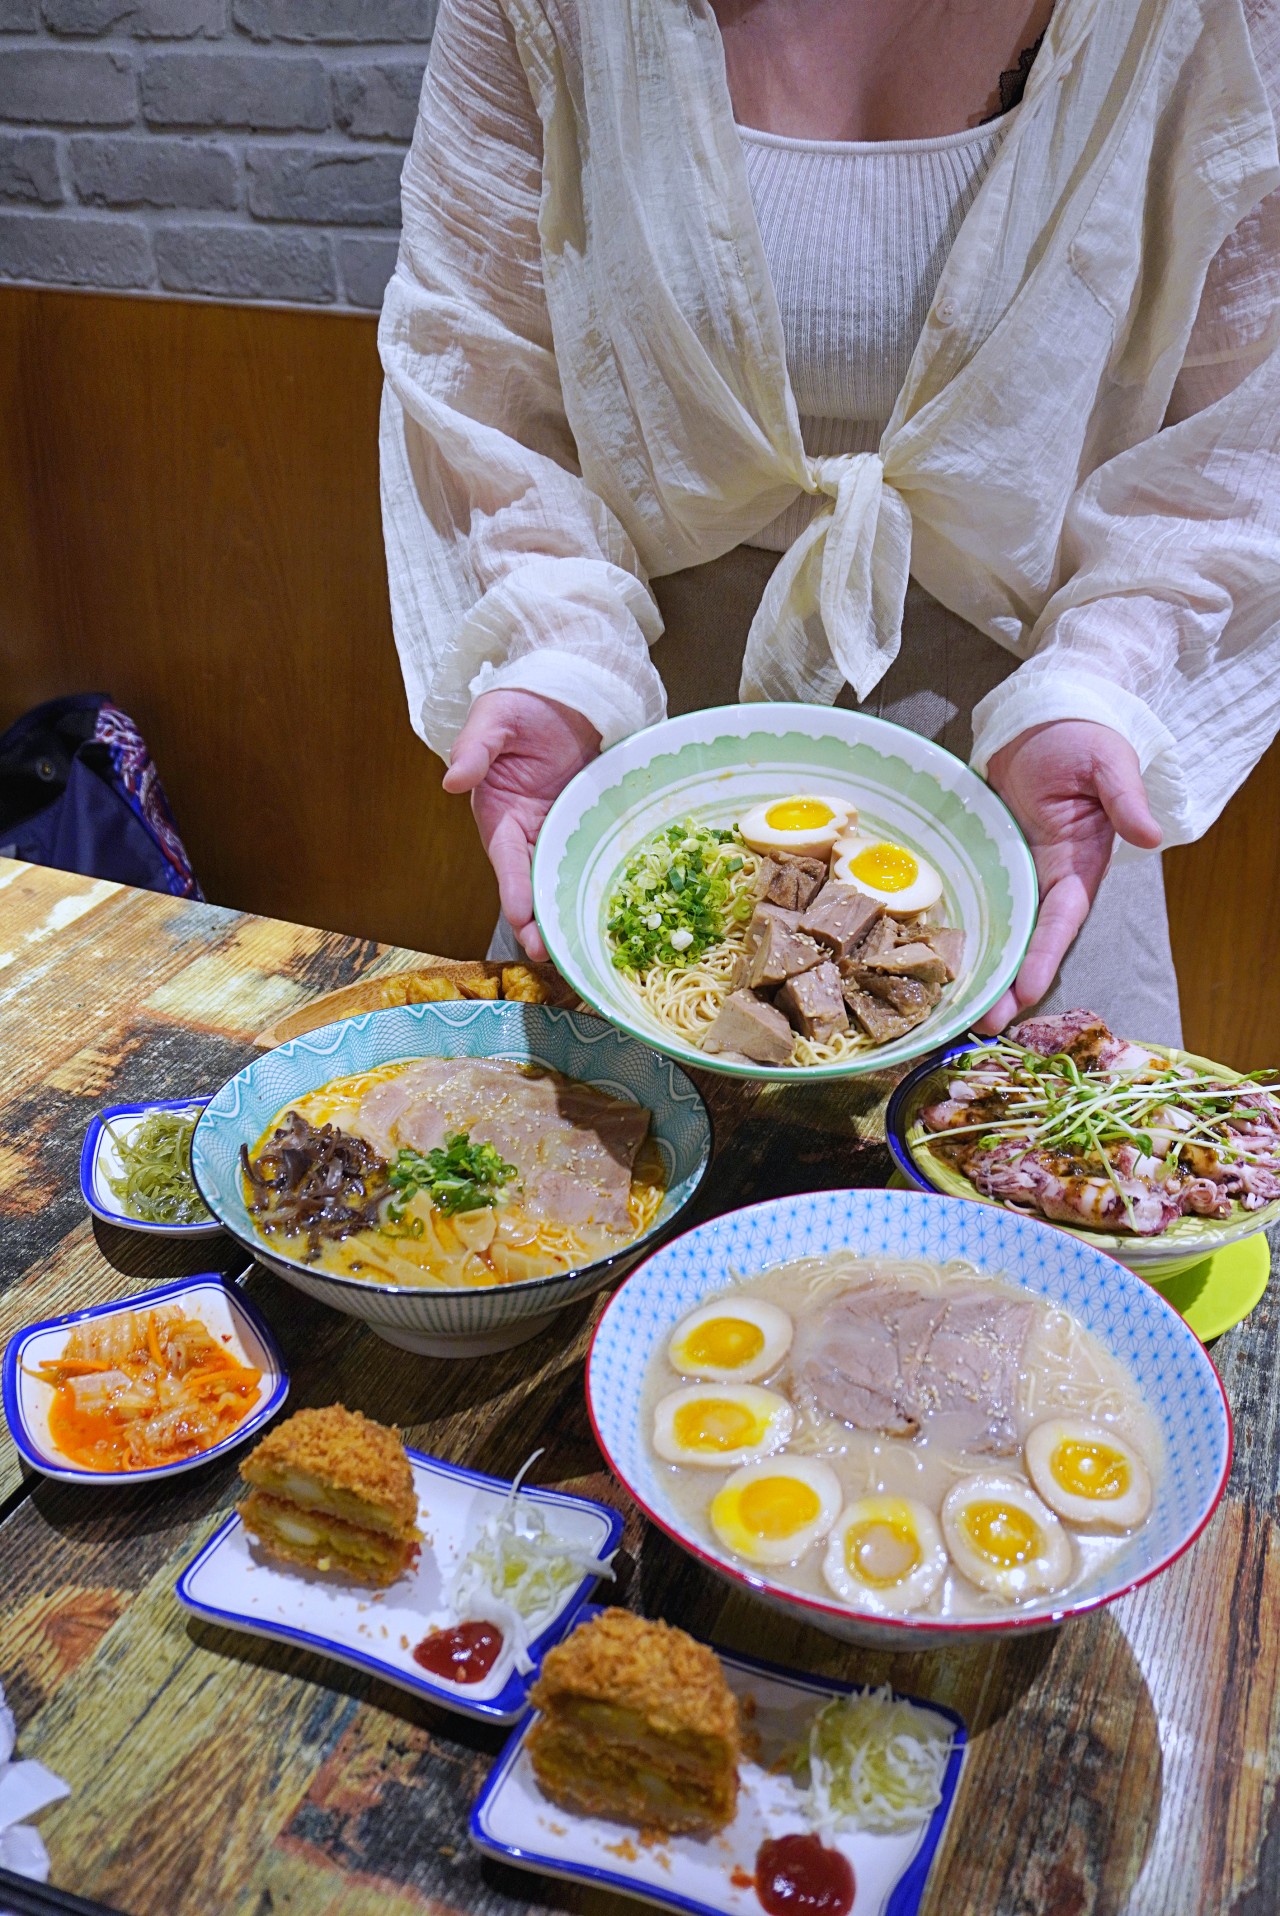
column 638, row 1723
column 334, row 1491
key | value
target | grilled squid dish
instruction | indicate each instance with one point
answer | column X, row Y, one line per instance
column 1064, row 1119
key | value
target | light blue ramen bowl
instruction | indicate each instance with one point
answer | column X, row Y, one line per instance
column 1132, row 1322
column 451, row 1322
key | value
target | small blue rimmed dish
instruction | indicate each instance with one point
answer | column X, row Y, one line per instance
column 100, row 1160
column 229, row 1317
column 233, row 1584
column 515, row 1823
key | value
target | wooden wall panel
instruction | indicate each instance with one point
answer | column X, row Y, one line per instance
column 189, row 518
column 189, row 514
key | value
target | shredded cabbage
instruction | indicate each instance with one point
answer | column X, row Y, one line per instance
column 875, row 1762
column 517, row 1573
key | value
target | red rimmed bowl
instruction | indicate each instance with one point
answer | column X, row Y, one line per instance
column 1132, row 1322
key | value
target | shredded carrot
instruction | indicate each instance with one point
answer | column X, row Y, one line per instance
column 55, row 1369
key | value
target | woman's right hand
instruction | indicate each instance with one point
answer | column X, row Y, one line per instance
column 515, row 755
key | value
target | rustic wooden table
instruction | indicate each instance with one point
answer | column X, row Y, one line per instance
column 1126, row 1762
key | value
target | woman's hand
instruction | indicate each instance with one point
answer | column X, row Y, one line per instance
column 1071, row 785
column 515, row 755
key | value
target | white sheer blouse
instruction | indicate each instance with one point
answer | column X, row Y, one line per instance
column 587, row 387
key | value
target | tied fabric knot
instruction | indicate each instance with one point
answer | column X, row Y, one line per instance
column 832, row 610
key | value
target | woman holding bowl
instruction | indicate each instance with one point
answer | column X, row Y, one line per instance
column 922, row 355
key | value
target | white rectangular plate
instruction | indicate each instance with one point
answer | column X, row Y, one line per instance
column 712, row 1876
column 232, row 1583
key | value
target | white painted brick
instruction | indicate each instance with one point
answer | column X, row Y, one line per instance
column 352, row 21
column 324, row 187
column 154, row 172
column 66, row 86
column 366, row 265
column 262, row 93
column 29, row 168
column 146, row 19
column 53, row 249
column 377, row 99
column 235, row 262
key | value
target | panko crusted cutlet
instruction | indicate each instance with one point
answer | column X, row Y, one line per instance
column 637, row 1723
column 333, row 1490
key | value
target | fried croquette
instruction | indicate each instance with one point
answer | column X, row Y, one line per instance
column 333, row 1490
column 637, row 1723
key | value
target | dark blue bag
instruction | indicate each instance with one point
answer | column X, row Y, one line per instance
column 78, row 791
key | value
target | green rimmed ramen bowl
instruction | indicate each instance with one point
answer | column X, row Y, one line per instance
column 437, row 1319
column 715, row 764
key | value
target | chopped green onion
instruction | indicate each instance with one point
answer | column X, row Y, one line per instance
column 461, row 1177
column 678, row 896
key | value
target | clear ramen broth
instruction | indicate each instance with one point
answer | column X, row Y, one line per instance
column 575, row 1174
column 1029, row 1366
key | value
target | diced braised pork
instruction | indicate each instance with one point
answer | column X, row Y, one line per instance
column 915, row 960
column 948, row 943
column 778, row 951
column 890, row 1358
column 907, row 996
column 879, row 1020
column 751, row 1028
column 814, row 1003
column 880, row 941
column 790, row 882
column 840, row 916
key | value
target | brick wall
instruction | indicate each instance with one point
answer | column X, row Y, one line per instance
column 226, row 149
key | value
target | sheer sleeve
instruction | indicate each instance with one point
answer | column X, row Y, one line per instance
column 1168, row 625
column 504, row 568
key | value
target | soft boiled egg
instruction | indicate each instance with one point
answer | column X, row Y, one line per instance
column 1088, row 1474
column 901, row 880
column 739, row 1337
column 772, row 1512
column 885, row 1555
column 806, row 825
column 1003, row 1538
column 720, row 1426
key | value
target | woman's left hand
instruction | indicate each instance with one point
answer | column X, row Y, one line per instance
column 1072, row 786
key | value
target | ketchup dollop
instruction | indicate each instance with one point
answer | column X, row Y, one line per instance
column 799, row 1876
column 464, row 1654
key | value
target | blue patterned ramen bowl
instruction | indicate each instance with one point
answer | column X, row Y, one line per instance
column 1131, row 1321
column 452, row 1322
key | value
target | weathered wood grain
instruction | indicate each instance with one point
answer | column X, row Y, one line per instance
column 1126, row 1763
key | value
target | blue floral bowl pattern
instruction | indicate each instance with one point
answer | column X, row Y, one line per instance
column 451, row 1322
column 1131, row 1320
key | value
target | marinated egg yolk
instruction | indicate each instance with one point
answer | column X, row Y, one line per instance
column 882, row 1552
column 798, row 815
column 776, row 1507
column 1090, row 1470
column 887, row 867
column 1001, row 1533
column 715, row 1423
column 725, row 1343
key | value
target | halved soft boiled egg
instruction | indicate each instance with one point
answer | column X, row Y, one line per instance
column 1088, row 1474
column 885, row 1555
column 1003, row 1538
column 740, row 1337
column 901, row 880
column 720, row 1425
column 776, row 1510
column 806, row 825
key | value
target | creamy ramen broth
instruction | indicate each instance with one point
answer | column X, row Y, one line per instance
column 588, row 1177
column 1026, row 1361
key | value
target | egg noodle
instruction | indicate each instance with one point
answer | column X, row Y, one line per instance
column 442, row 1253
